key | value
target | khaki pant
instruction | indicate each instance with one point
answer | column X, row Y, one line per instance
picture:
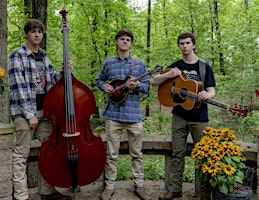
column 21, row 149
column 114, row 131
column 180, row 131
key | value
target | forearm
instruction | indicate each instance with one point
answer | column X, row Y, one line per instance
column 211, row 92
column 159, row 79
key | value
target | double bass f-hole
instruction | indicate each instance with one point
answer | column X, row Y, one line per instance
column 73, row 156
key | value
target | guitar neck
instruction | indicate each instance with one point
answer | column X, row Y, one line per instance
column 209, row 101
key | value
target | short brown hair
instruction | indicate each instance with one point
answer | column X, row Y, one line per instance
column 185, row 35
column 124, row 31
column 32, row 24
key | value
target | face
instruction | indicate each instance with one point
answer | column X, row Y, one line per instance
column 186, row 46
column 124, row 43
column 34, row 36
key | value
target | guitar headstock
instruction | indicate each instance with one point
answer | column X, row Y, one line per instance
column 238, row 110
column 156, row 69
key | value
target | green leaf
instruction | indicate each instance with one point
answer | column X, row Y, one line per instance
column 213, row 183
column 239, row 179
column 230, row 180
column 223, row 188
column 227, row 159
column 231, row 188
column 236, row 158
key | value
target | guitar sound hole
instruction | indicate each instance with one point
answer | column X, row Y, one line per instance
column 181, row 97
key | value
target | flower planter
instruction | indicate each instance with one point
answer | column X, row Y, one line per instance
column 221, row 196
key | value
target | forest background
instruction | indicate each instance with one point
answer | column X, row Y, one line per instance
column 227, row 38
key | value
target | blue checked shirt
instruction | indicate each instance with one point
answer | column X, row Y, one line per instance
column 115, row 68
column 22, row 73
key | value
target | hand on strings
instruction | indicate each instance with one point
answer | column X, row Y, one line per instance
column 131, row 84
column 174, row 72
column 107, row 88
column 33, row 122
column 70, row 65
column 203, row 95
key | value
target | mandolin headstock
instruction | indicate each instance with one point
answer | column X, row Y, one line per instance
column 156, row 69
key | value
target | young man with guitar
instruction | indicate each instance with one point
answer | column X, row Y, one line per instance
column 116, row 79
column 193, row 118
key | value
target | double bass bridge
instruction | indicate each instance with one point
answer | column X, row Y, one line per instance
column 67, row 135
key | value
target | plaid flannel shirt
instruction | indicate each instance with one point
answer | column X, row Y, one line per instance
column 116, row 68
column 22, row 74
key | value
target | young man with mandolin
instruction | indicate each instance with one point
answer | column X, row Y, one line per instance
column 124, row 114
column 195, row 118
column 31, row 76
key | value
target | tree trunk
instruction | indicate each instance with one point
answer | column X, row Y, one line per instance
column 4, row 98
column 39, row 11
column 148, row 48
column 221, row 57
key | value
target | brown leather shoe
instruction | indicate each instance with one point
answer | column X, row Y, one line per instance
column 170, row 195
column 55, row 196
column 205, row 198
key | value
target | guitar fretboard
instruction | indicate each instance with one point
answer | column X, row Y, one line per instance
column 194, row 96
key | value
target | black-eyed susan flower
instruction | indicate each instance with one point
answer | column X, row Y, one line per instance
column 219, row 158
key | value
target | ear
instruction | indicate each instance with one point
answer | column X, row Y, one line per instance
column 26, row 35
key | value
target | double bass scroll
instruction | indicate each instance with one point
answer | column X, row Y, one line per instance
column 72, row 156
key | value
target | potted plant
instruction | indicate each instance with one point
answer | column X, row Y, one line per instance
column 220, row 161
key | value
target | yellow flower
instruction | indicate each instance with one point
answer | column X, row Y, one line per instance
column 2, row 72
column 211, row 168
column 206, row 151
column 219, row 158
column 207, row 130
column 227, row 145
column 228, row 169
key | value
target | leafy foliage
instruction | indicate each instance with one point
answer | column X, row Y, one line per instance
column 219, row 159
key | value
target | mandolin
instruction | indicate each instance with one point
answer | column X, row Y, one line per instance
column 121, row 91
column 183, row 91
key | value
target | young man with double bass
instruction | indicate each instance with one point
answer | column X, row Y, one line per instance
column 31, row 76
column 185, row 121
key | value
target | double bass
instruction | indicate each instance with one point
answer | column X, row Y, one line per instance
column 72, row 156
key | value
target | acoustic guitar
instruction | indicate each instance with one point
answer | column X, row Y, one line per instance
column 121, row 91
column 183, row 91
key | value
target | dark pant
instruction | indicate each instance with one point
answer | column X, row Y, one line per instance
column 180, row 130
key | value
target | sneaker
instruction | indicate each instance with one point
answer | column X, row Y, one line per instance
column 107, row 194
column 170, row 195
column 142, row 193
column 55, row 196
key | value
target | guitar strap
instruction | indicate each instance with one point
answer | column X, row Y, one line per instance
column 131, row 66
column 202, row 69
